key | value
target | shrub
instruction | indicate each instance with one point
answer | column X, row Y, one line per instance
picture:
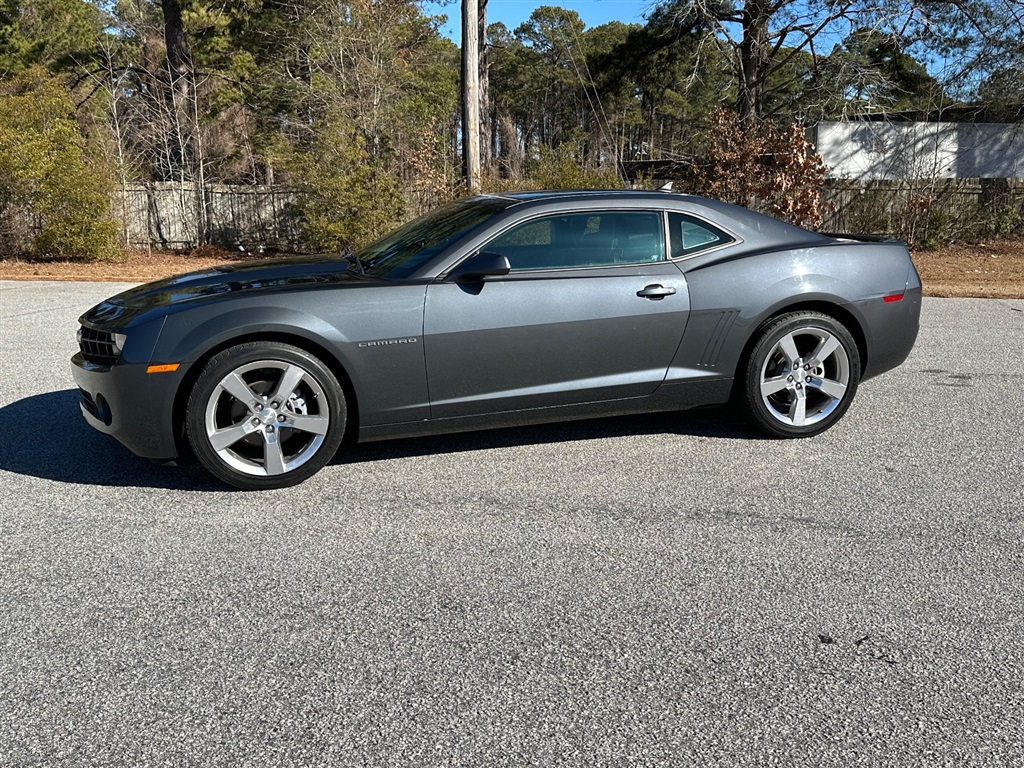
column 764, row 167
column 54, row 197
column 347, row 198
column 560, row 168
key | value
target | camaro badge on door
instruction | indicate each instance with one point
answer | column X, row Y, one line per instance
column 387, row 342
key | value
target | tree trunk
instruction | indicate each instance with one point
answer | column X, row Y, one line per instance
column 185, row 112
column 178, row 59
column 754, row 62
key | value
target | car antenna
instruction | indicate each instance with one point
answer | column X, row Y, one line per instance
column 666, row 187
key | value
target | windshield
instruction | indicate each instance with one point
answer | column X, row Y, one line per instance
column 408, row 248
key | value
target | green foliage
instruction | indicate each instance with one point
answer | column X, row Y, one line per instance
column 562, row 168
column 62, row 35
column 883, row 62
column 347, row 197
column 1003, row 221
column 614, row 93
column 660, row 77
column 872, row 72
column 420, row 124
column 536, row 80
column 1004, row 88
column 54, row 197
column 934, row 231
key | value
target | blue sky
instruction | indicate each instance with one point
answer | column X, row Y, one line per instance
column 512, row 13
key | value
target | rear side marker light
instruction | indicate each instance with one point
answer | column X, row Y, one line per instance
column 170, row 368
column 894, row 297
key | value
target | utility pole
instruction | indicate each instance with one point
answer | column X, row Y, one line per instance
column 486, row 129
column 471, row 96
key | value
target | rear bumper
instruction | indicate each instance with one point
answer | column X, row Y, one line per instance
column 125, row 402
column 892, row 329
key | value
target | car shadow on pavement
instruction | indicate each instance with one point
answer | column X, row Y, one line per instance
column 47, row 437
column 704, row 422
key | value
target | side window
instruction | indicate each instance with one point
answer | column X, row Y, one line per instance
column 537, row 232
column 689, row 235
column 575, row 240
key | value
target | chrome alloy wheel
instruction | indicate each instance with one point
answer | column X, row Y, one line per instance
column 267, row 417
column 805, row 377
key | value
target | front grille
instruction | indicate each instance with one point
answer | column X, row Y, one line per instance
column 97, row 346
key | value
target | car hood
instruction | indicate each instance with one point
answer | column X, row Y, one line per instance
column 221, row 281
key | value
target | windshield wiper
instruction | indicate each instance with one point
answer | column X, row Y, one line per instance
column 353, row 258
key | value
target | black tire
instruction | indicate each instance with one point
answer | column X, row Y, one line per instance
column 787, row 391
column 265, row 415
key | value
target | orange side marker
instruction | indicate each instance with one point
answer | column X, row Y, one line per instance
column 169, row 368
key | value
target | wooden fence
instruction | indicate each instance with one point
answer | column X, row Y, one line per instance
column 926, row 211
column 171, row 216
column 174, row 216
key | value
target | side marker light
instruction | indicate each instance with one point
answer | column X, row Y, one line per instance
column 891, row 299
column 169, row 368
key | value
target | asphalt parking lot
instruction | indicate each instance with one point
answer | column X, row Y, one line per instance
column 668, row 590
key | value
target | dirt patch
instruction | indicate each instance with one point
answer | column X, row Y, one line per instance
column 992, row 270
column 985, row 270
column 137, row 267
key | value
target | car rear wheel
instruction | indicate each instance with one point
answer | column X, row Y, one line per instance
column 265, row 415
column 801, row 375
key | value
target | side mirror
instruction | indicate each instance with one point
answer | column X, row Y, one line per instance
column 476, row 268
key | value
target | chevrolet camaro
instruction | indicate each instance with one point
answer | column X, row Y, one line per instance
column 497, row 311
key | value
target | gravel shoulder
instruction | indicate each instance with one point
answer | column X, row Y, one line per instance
column 982, row 270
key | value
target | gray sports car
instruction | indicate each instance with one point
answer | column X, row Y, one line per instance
column 498, row 311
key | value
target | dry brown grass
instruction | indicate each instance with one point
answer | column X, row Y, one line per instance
column 138, row 267
column 993, row 270
column 985, row 270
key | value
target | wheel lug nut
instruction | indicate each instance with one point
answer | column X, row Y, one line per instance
column 790, row 378
column 255, row 422
column 281, row 418
column 808, row 379
column 274, row 404
column 270, row 428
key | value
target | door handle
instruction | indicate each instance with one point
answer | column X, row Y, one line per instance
column 655, row 292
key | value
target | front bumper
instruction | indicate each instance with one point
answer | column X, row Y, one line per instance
column 134, row 407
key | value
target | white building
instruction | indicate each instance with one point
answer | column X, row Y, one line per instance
column 868, row 150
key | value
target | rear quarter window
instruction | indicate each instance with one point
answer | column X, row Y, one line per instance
column 689, row 235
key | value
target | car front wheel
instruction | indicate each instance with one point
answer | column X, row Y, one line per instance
column 265, row 415
column 801, row 375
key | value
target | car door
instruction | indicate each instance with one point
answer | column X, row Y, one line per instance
column 590, row 311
